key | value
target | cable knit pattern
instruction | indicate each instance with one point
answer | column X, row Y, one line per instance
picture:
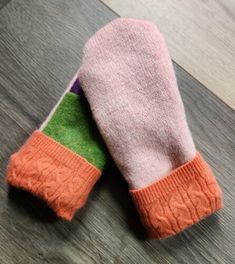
column 128, row 78
column 187, row 195
column 52, row 172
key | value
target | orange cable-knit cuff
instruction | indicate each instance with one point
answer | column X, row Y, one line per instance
column 53, row 173
column 174, row 203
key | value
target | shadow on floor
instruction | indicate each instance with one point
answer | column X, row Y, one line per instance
column 118, row 189
column 33, row 206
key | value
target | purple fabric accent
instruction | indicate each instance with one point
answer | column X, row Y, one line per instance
column 76, row 87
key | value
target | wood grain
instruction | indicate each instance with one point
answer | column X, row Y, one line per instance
column 40, row 50
column 200, row 35
column 3, row 3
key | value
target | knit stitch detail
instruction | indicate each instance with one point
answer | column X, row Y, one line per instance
column 176, row 202
column 53, row 173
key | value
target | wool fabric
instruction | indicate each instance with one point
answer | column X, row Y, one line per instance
column 62, row 160
column 73, row 127
column 129, row 81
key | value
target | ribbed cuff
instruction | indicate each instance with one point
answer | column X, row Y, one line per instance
column 174, row 203
column 53, row 173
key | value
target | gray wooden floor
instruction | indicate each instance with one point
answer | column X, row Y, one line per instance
column 40, row 50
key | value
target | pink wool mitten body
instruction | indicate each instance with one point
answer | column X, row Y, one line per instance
column 129, row 81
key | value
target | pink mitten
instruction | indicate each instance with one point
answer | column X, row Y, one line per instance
column 128, row 78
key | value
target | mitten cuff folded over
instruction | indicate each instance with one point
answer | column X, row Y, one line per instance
column 53, row 173
column 179, row 200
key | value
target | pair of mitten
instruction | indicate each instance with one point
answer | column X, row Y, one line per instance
column 129, row 82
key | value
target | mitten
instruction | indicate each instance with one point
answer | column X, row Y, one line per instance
column 129, row 81
column 62, row 160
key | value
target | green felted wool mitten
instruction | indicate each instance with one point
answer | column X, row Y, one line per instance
column 61, row 162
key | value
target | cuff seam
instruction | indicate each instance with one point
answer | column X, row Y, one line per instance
column 181, row 176
column 60, row 153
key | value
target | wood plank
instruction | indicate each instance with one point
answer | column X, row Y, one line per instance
column 3, row 3
column 40, row 50
column 200, row 35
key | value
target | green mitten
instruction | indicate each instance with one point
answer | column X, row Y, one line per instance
column 61, row 162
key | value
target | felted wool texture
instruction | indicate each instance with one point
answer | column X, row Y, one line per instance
column 72, row 125
column 60, row 162
column 128, row 79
